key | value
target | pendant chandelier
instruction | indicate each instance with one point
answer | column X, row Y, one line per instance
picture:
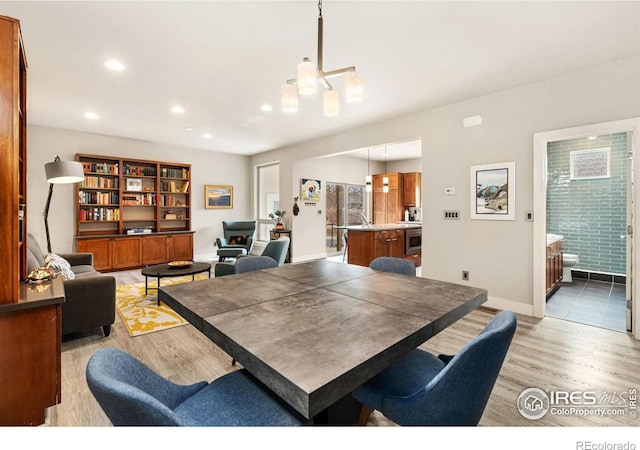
column 308, row 76
column 385, row 178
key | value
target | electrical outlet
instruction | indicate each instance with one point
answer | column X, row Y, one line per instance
column 452, row 215
column 465, row 275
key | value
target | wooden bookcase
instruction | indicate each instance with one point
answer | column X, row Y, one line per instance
column 122, row 194
column 30, row 316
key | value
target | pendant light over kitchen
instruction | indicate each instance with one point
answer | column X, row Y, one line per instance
column 385, row 179
column 367, row 179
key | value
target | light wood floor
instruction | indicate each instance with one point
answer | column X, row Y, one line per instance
column 550, row 354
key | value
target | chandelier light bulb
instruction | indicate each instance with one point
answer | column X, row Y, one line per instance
column 353, row 86
column 331, row 101
column 289, row 97
column 307, row 79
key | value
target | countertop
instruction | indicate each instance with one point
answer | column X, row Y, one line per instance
column 381, row 227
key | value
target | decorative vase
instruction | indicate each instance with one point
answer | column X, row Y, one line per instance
column 279, row 226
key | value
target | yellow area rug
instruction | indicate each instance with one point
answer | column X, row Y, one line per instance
column 141, row 314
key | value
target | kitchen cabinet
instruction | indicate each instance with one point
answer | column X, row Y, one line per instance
column 555, row 251
column 366, row 244
column 133, row 251
column 388, row 207
column 412, row 189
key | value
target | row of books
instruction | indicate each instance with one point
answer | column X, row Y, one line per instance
column 100, row 167
column 139, row 199
column 171, row 186
column 99, row 214
column 170, row 200
column 138, row 170
column 174, row 173
column 100, row 182
column 98, row 198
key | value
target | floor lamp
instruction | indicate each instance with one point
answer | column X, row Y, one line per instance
column 59, row 172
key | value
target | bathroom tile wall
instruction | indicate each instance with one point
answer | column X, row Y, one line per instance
column 591, row 213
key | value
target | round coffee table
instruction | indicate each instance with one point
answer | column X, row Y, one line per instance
column 160, row 271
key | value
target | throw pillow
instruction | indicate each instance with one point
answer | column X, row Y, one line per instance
column 59, row 265
column 239, row 240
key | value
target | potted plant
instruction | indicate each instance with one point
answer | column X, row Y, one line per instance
column 277, row 216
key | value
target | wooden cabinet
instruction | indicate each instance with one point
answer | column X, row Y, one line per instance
column 120, row 194
column 30, row 323
column 365, row 246
column 129, row 252
column 388, row 207
column 555, row 263
column 412, row 189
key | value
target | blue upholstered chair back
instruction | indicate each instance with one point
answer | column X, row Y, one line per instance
column 251, row 263
column 277, row 249
column 395, row 265
column 458, row 395
column 130, row 393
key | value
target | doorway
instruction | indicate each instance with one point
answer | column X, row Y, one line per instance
column 345, row 206
column 630, row 127
column 588, row 181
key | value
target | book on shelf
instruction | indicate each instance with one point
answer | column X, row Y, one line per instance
column 185, row 187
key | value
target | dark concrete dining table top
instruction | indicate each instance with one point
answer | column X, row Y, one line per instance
column 313, row 332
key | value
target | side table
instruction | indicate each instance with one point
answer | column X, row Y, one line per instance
column 275, row 234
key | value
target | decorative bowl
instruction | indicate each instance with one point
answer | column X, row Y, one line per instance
column 180, row 264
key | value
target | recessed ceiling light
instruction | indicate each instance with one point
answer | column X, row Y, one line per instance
column 91, row 115
column 114, row 64
column 591, row 138
column 266, row 108
column 207, row 136
column 188, row 128
column 177, row 109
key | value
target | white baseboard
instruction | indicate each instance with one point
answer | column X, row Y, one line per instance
column 503, row 303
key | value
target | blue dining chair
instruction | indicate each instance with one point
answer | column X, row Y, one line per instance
column 395, row 265
column 131, row 394
column 422, row 389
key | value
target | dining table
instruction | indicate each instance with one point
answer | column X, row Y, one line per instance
column 312, row 332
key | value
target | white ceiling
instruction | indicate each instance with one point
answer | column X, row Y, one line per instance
column 223, row 60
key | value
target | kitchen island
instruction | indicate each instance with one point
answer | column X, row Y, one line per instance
column 367, row 242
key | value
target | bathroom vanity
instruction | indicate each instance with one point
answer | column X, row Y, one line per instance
column 555, row 250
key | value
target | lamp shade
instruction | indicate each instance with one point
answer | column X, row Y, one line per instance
column 307, row 79
column 353, row 86
column 289, row 97
column 61, row 172
column 331, row 101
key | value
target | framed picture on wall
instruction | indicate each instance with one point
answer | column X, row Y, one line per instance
column 218, row 197
column 492, row 191
column 310, row 190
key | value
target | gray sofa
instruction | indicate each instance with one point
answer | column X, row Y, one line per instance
column 90, row 297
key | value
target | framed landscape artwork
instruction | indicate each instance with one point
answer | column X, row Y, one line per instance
column 218, row 197
column 492, row 193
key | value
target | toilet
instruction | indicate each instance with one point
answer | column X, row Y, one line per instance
column 568, row 261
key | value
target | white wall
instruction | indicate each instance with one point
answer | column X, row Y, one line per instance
column 206, row 168
column 498, row 254
column 308, row 242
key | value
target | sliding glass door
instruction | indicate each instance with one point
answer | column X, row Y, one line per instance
column 345, row 206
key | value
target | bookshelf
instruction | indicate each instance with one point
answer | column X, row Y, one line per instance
column 146, row 202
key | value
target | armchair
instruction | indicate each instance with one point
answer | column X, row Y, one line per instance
column 238, row 238
column 90, row 296
column 276, row 250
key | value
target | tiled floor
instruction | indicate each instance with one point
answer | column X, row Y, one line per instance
column 590, row 302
